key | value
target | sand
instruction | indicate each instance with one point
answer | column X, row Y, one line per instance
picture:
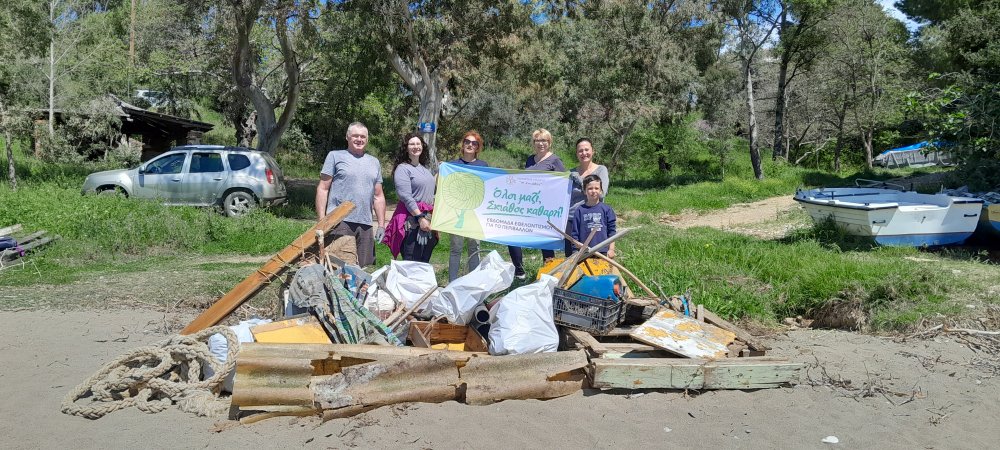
column 934, row 393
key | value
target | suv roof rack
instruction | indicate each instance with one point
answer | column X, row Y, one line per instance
column 213, row 147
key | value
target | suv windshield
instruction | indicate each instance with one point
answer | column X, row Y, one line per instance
column 167, row 164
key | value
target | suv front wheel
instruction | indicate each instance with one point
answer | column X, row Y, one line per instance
column 238, row 203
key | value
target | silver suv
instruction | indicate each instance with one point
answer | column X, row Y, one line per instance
column 234, row 178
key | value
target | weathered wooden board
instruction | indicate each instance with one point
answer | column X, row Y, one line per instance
column 7, row 231
column 680, row 373
column 446, row 336
column 684, row 336
column 270, row 270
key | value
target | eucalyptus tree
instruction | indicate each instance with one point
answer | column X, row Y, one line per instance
column 433, row 44
column 269, row 51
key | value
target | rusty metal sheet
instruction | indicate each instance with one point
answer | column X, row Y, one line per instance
column 684, row 336
column 272, row 381
column 511, row 377
column 431, row 379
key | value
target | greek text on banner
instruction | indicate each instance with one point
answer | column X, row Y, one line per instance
column 503, row 206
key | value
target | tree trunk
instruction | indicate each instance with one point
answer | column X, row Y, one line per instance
column 431, row 90
column 269, row 127
column 246, row 131
column 758, row 171
column 9, row 146
column 781, row 98
column 867, row 136
column 841, row 116
column 431, row 103
column 613, row 160
column 52, row 72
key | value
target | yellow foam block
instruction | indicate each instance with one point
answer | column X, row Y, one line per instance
column 303, row 329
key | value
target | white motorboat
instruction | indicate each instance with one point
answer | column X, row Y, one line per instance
column 893, row 217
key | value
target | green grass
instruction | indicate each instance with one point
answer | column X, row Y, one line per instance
column 732, row 274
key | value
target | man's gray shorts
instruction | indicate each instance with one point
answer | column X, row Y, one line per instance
column 364, row 241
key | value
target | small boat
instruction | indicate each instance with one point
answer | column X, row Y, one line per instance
column 895, row 217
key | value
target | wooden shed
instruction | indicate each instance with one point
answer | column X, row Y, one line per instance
column 158, row 132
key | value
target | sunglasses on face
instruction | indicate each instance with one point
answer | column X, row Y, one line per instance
column 470, row 142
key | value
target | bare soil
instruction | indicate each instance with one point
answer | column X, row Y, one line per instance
column 770, row 218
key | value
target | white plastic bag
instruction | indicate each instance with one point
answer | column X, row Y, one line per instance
column 460, row 298
column 523, row 320
column 378, row 301
column 219, row 347
column 408, row 281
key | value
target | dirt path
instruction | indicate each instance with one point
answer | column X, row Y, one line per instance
column 768, row 218
column 867, row 391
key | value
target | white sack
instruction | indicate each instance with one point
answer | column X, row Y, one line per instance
column 459, row 299
column 219, row 347
column 523, row 320
column 408, row 281
column 378, row 301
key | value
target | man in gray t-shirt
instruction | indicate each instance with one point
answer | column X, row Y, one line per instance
column 355, row 176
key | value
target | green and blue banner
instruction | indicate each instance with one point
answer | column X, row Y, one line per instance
column 503, row 206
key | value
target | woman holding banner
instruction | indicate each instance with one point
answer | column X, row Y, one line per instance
column 409, row 230
column 587, row 166
column 472, row 144
column 543, row 159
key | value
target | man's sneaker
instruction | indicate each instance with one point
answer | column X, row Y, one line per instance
column 519, row 274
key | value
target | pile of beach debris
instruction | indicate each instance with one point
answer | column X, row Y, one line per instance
column 351, row 341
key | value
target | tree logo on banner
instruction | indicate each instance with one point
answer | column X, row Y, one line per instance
column 463, row 191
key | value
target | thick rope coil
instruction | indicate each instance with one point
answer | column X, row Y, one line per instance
column 152, row 378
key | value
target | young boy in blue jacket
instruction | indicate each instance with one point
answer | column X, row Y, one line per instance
column 594, row 215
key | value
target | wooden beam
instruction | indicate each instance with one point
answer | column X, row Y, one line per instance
column 679, row 373
column 270, row 270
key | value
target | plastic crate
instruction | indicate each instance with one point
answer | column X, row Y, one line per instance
column 584, row 312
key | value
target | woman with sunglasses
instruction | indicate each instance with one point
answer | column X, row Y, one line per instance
column 472, row 144
column 543, row 159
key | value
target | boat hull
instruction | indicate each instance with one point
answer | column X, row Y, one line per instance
column 989, row 220
column 894, row 218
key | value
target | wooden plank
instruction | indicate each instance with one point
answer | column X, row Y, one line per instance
column 680, row 373
column 621, row 331
column 684, row 336
column 7, row 231
column 588, row 341
column 740, row 333
column 270, row 270
column 31, row 237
